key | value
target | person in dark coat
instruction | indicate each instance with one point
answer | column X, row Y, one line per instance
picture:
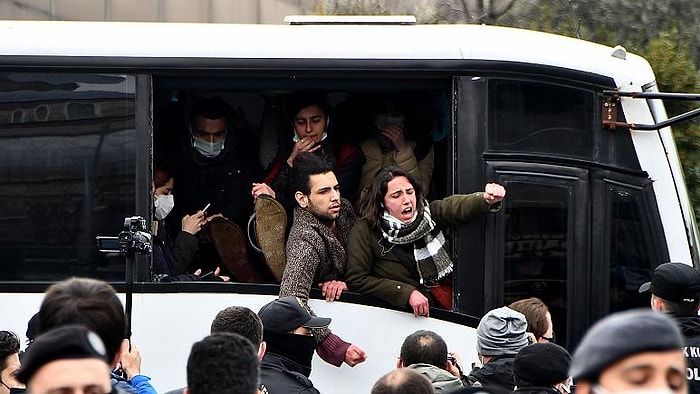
column 635, row 351
column 675, row 290
column 542, row 368
column 212, row 168
column 500, row 335
column 286, row 365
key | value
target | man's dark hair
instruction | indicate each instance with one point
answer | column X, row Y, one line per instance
column 402, row 381
column 371, row 205
column 305, row 165
column 89, row 302
column 424, row 347
column 681, row 308
column 535, row 312
column 9, row 345
column 210, row 108
column 239, row 320
column 223, row 363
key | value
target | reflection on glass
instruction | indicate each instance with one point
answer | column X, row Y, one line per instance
column 535, row 255
column 631, row 260
column 67, row 172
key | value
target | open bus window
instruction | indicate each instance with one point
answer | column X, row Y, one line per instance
column 67, row 174
column 269, row 132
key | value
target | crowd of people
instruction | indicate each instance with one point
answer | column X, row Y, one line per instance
column 77, row 345
column 361, row 221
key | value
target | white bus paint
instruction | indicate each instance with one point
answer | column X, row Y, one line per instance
column 165, row 326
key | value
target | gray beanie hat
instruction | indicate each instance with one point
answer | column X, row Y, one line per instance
column 501, row 331
column 621, row 335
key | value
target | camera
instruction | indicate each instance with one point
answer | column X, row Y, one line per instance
column 134, row 238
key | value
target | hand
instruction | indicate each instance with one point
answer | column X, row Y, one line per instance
column 454, row 364
column 193, row 223
column 354, row 355
column 419, row 303
column 224, row 278
column 212, row 217
column 130, row 360
column 493, row 193
column 332, row 289
column 262, row 188
column 395, row 134
column 303, row 145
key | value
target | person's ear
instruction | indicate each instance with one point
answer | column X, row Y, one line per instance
column 399, row 363
column 302, row 199
column 328, row 120
column 261, row 350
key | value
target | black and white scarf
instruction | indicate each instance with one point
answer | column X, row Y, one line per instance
column 432, row 260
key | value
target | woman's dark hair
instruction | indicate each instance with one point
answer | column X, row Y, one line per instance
column 301, row 100
column 161, row 174
column 371, row 205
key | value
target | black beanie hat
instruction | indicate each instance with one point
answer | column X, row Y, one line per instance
column 542, row 364
column 65, row 342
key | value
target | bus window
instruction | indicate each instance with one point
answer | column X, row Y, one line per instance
column 633, row 250
column 536, row 118
column 67, row 173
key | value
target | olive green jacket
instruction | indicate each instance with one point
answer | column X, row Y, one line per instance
column 375, row 270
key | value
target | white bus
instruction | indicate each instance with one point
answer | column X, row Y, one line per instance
column 591, row 209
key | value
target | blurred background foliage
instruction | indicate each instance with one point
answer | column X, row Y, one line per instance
column 665, row 32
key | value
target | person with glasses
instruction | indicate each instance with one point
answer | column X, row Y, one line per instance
column 9, row 363
column 539, row 320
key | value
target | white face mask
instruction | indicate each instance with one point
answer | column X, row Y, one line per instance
column 164, row 204
column 206, row 148
column 381, row 120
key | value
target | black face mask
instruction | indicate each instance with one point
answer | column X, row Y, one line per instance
column 298, row 348
column 17, row 390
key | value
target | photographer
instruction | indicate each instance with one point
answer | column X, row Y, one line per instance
column 172, row 259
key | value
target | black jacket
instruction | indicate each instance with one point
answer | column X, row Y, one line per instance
column 536, row 390
column 497, row 372
column 280, row 375
column 690, row 328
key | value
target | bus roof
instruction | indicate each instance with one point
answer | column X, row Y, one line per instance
column 347, row 42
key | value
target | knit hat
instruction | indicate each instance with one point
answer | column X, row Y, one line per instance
column 676, row 282
column 287, row 314
column 542, row 364
column 65, row 342
column 501, row 331
column 621, row 335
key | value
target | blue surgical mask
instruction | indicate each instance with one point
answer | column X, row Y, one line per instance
column 206, row 148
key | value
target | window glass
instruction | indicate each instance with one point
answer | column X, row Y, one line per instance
column 538, row 118
column 633, row 255
column 67, row 173
column 535, row 255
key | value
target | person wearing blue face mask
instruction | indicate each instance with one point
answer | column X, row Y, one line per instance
column 213, row 166
column 9, row 363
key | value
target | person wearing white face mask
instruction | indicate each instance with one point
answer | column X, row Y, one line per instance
column 171, row 260
column 212, row 164
column 396, row 142
column 632, row 352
